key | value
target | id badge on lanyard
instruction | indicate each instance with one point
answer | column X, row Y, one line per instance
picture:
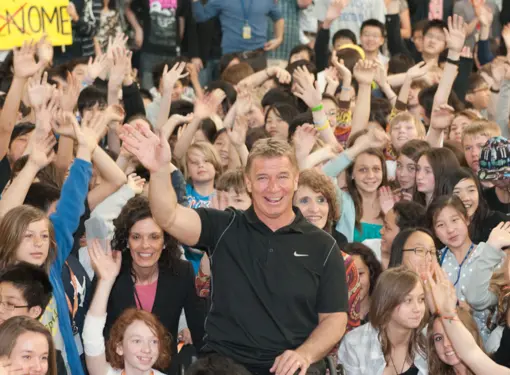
column 246, row 32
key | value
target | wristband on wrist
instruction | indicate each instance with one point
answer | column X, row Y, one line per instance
column 346, row 88
column 324, row 126
column 450, row 317
column 453, row 62
column 318, row 108
column 494, row 91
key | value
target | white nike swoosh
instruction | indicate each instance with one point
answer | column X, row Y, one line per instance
column 300, row 255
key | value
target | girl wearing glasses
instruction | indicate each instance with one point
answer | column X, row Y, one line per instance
column 415, row 249
column 465, row 262
column 392, row 342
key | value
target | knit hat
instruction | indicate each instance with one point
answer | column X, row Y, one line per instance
column 495, row 160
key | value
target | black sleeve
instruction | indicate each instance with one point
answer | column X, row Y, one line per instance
column 190, row 30
column 333, row 293
column 194, row 308
column 395, row 42
column 179, row 184
column 214, row 224
column 133, row 102
column 460, row 86
column 501, row 356
column 322, row 49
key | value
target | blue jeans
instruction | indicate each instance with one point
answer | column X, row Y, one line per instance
column 147, row 63
column 210, row 73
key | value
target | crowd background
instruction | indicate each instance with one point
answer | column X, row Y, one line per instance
column 258, row 186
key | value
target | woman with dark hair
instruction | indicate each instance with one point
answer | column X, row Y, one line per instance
column 469, row 266
column 392, row 342
column 369, row 270
column 152, row 276
column 278, row 118
column 432, row 168
column 406, row 164
column 415, row 249
column 465, row 184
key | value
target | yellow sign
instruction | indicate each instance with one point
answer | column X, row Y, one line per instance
column 24, row 20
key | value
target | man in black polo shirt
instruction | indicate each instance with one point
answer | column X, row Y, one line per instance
column 279, row 294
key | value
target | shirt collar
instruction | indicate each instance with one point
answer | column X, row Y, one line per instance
column 297, row 225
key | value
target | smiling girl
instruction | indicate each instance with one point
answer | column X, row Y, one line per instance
column 406, row 164
column 462, row 259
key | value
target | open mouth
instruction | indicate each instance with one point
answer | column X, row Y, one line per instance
column 144, row 255
column 144, row 360
column 273, row 200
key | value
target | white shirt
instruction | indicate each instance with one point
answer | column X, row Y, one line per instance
column 375, row 245
column 360, row 353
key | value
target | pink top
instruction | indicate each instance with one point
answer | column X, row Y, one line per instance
column 146, row 296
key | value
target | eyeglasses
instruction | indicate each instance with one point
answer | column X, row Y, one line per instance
column 6, row 306
column 422, row 251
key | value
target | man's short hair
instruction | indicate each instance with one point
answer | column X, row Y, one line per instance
column 271, row 148
column 373, row 23
column 481, row 127
column 215, row 364
column 31, row 281
column 346, row 34
column 233, row 179
column 475, row 81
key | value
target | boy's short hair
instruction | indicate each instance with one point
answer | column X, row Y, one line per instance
column 475, row 81
column 236, row 73
column 277, row 95
column 345, row 33
column 435, row 24
column 373, row 23
column 426, row 99
column 255, row 134
column 232, row 179
column 310, row 66
column 33, row 282
column 420, row 25
column 481, row 127
column 303, row 47
column 181, row 107
column 90, row 96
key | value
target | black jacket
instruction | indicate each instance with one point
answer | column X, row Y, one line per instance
column 174, row 293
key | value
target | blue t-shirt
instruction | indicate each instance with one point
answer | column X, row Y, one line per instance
column 233, row 15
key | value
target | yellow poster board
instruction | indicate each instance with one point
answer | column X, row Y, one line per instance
column 24, row 20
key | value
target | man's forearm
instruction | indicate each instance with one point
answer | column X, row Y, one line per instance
column 162, row 198
column 279, row 27
column 324, row 337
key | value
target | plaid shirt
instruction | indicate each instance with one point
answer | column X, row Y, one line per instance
column 290, row 13
column 360, row 353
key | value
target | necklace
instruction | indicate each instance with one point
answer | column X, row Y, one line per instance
column 395, row 367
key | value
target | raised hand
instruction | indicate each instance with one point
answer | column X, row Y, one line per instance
column 171, row 76
column 69, row 95
column 304, row 139
column 45, row 114
column 364, row 72
column 173, row 122
column 105, row 262
column 378, row 138
column 331, row 75
column 455, row 34
column 96, row 67
column 419, row 70
column 238, row 132
column 121, row 66
column 500, row 236
column 282, row 75
column 24, row 60
column 442, row 117
column 335, row 9
column 485, row 15
column 305, row 89
column 244, row 103
column 207, row 105
column 381, row 75
column 45, row 50
column 343, row 72
column 442, row 292
column 39, row 91
column 136, row 183
column 7, row 368
column 93, row 130
column 152, row 151
column 41, row 152
column 66, row 125
column 386, row 199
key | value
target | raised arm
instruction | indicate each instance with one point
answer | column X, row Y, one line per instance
column 364, row 73
column 24, row 67
column 257, row 79
column 154, row 153
column 106, row 265
column 462, row 341
column 168, row 79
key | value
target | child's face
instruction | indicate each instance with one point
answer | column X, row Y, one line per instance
column 35, row 243
column 472, row 145
column 276, row 126
column 414, row 93
column 200, row 170
column 177, row 91
column 434, row 42
column 402, row 132
column 458, row 124
column 222, row 145
column 371, row 39
column 79, row 72
column 331, row 111
column 10, row 297
column 240, row 201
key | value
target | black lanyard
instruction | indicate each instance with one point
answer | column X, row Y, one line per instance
column 461, row 264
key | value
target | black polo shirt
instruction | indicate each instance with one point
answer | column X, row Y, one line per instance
column 267, row 287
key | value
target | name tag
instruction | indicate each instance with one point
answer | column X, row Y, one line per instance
column 246, row 32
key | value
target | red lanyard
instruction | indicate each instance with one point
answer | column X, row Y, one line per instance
column 74, row 308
